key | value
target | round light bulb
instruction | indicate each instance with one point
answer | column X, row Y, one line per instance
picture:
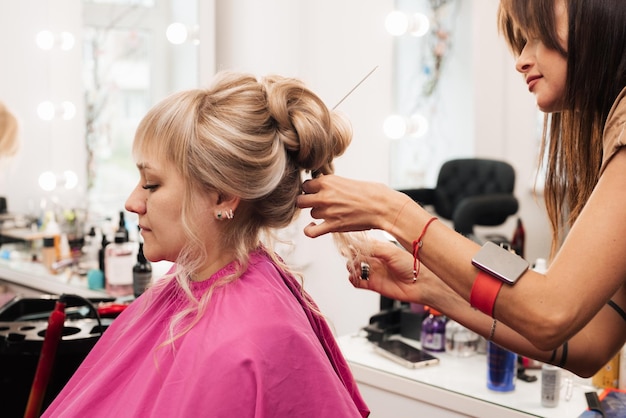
column 45, row 110
column 418, row 125
column 397, row 23
column 67, row 41
column 71, row 179
column 395, row 126
column 47, row 181
column 68, row 110
column 420, row 24
column 176, row 33
column 45, row 40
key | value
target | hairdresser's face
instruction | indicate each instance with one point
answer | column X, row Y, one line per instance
column 157, row 200
column 545, row 69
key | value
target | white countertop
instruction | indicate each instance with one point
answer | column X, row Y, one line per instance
column 35, row 276
column 460, row 384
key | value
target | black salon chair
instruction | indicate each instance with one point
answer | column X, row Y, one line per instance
column 470, row 192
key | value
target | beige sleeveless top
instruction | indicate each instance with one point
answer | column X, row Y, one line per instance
column 614, row 137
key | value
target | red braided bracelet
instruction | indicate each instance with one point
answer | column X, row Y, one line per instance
column 417, row 244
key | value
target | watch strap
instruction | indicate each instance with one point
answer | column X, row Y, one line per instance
column 484, row 292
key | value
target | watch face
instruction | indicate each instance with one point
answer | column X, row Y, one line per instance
column 500, row 263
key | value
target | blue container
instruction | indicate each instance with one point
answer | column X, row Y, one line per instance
column 501, row 368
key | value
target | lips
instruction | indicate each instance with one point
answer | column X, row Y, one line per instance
column 531, row 81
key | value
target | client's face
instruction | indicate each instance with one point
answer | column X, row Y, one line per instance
column 157, row 200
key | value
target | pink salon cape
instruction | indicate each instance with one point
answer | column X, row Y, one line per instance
column 258, row 351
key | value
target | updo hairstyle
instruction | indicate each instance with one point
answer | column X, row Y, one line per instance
column 248, row 138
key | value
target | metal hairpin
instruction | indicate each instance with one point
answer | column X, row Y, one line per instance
column 355, row 87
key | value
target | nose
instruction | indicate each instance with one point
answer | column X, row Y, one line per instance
column 135, row 202
column 525, row 61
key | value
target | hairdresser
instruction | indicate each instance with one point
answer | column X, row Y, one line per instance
column 573, row 315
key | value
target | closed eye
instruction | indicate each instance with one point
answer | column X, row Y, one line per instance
column 150, row 187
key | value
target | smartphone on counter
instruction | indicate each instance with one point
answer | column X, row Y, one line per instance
column 405, row 354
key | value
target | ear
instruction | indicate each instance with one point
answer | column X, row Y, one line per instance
column 225, row 206
column 227, row 202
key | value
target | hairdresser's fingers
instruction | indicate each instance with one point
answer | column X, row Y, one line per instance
column 389, row 271
column 305, row 201
column 314, row 230
column 311, row 186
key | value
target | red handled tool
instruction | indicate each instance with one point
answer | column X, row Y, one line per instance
column 51, row 341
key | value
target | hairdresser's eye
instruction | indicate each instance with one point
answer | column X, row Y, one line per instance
column 151, row 187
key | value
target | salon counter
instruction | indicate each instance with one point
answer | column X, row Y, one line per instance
column 30, row 278
column 456, row 387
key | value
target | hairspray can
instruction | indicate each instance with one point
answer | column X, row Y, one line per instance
column 501, row 368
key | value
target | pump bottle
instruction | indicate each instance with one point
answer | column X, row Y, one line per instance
column 119, row 260
column 142, row 273
column 433, row 335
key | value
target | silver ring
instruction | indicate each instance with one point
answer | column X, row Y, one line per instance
column 365, row 271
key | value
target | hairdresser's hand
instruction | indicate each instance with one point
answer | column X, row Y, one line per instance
column 391, row 274
column 344, row 204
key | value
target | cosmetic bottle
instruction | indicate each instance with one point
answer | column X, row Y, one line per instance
column 519, row 238
column 52, row 230
column 550, row 385
column 460, row 341
column 90, row 250
column 433, row 336
column 142, row 273
column 48, row 253
column 607, row 376
column 122, row 231
column 501, row 368
column 119, row 260
column 103, row 244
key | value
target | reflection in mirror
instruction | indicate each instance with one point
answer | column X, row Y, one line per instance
column 117, row 94
column 433, row 89
column 128, row 65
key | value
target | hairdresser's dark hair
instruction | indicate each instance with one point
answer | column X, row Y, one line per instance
column 596, row 73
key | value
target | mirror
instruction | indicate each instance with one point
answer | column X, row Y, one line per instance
column 110, row 61
column 128, row 65
column 433, row 86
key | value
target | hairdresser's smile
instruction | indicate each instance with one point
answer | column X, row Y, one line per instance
column 532, row 81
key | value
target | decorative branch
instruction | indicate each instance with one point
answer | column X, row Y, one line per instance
column 439, row 43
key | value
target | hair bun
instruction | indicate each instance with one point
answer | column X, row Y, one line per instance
column 312, row 134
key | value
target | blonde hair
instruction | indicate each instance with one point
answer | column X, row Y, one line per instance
column 245, row 137
column 8, row 132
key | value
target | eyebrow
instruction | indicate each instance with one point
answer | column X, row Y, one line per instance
column 143, row 166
